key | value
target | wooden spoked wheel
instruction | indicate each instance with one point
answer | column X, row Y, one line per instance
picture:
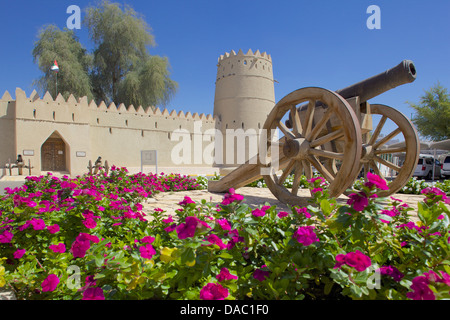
column 326, row 119
column 376, row 151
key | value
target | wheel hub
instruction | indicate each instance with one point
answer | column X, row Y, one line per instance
column 297, row 148
column 367, row 153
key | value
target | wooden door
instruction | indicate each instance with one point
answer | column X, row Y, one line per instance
column 53, row 155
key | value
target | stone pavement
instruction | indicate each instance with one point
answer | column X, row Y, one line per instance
column 254, row 197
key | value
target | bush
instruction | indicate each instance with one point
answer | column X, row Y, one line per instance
column 87, row 238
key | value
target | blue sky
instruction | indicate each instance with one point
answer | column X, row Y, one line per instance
column 312, row 43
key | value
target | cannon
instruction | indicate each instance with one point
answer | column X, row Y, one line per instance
column 332, row 133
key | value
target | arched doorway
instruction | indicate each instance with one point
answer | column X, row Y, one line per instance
column 53, row 154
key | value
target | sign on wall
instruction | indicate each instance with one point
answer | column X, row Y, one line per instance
column 149, row 158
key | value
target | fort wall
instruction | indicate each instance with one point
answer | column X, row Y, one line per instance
column 85, row 131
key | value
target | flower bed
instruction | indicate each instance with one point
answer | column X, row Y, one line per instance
column 88, row 238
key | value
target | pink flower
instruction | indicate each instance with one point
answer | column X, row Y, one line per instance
column 213, row 291
column 187, row 229
column 186, row 201
column 147, row 239
column 303, row 211
column 59, row 248
column 314, row 190
column 260, row 274
column 224, row 224
column 391, row 272
column 421, row 290
column 147, row 251
column 6, row 237
column 305, row 235
column 82, row 244
column 231, row 197
column 320, row 179
column 170, row 228
column 53, row 229
column 19, row 253
column 282, row 214
column 235, row 238
column 433, row 191
column 90, row 223
column 50, row 283
column 79, row 248
column 214, row 239
column 258, row 213
column 93, row 293
column 38, row 224
column 340, row 261
column 357, row 260
column 168, row 220
column 225, row 275
column 377, row 181
column 358, row 200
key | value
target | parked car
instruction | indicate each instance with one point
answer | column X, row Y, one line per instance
column 424, row 167
column 445, row 167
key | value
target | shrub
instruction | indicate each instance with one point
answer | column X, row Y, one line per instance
column 88, row 238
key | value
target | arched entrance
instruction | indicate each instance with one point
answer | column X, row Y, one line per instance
column 53, row 154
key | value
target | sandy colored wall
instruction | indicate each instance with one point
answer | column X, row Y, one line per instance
column 116, row 133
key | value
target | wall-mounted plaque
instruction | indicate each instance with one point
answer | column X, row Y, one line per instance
column 28, row 152
column 81, row 154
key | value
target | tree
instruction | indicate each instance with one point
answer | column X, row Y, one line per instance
column 73, row 61
column 432, row 117
column 123, row 70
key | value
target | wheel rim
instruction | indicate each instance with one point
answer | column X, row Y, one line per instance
column 374, row 148
column 316, row 130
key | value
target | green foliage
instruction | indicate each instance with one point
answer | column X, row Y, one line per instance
column 73, row 60
column 433, row 113
column 327, row 250
column 120, row 68
column 124, row 71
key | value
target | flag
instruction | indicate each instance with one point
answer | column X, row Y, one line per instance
column 55, row 67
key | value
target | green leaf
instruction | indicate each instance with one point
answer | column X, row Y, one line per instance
column 188, row 257
column 325, row 206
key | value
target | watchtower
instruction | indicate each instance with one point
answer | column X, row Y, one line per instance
column 244, row 97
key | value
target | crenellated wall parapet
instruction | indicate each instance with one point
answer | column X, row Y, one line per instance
column 82, row 112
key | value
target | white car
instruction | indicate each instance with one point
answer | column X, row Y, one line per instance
column 445, row 167
column 424, row 167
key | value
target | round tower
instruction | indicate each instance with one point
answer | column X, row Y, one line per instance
column 243, row 99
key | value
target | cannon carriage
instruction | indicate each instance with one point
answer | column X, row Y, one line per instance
column 331, row 132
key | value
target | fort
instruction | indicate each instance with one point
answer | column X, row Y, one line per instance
column 63, row 135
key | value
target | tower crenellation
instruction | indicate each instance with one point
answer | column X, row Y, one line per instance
column 232, row 64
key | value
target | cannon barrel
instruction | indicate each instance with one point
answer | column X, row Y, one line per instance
column 404, row 72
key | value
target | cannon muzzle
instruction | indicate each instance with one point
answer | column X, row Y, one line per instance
column 404, row 72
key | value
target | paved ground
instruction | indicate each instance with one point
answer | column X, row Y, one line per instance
column 254, row 197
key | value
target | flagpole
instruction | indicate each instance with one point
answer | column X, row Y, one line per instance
column 55, row 68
